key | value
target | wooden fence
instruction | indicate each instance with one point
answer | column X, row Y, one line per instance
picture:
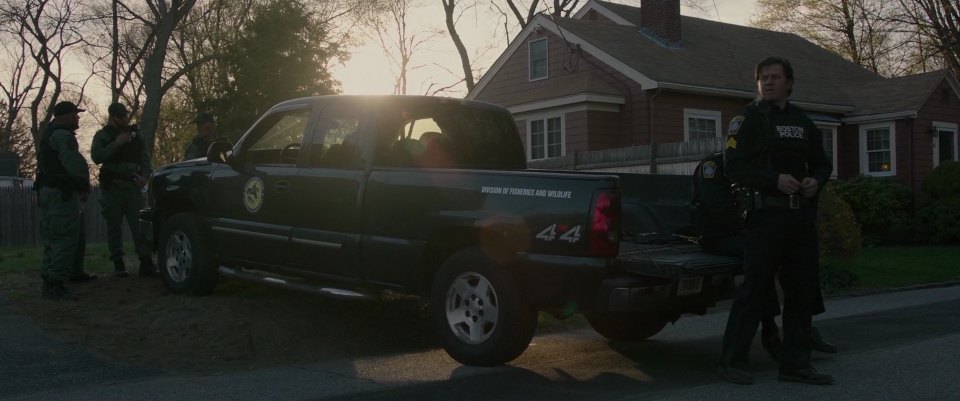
column 20, row 218
column 670, row 158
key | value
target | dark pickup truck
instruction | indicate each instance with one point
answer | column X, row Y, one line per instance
column 349, row 196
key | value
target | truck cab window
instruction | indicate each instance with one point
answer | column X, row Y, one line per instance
column 336, row 143
column 277, row 138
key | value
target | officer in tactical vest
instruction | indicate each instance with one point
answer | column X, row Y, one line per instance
column 125, row 167
column 775, row 158
column 205, row 136
column 718, row 221
column 62, row 180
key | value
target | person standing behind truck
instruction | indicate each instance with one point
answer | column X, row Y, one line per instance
column 205, row 136
column 125, row 167
column 774, row 156
column 62, row 180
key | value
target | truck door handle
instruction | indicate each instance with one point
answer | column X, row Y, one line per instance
column 281, row 186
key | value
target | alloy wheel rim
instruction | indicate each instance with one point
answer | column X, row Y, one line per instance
column 179, row 257
column 472, row 308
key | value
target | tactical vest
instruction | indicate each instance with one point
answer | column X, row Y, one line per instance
column 130, row 152
column 50, row 170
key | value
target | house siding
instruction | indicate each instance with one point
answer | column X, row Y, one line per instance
column 943, row 105
column 513, row 78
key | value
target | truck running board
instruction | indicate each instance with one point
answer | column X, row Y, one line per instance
column 329, row 292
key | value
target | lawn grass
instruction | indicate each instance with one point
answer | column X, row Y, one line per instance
column 18, row 264
column 890, row 267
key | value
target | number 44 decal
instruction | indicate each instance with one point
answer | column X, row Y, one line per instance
column 571, row 235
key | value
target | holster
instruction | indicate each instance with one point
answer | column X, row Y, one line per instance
column 748, row 199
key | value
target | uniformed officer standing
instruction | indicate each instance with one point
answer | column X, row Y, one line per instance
column 125, row 167
column 205, row 136
column 719, row 224
column 774, row 154
column 62, row 179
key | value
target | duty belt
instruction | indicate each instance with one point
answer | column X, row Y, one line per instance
column 786, row 202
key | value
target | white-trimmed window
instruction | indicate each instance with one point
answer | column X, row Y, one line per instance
column 828, row 134
column 537, row 53
column 944, row 142
column 878, row 153
column 700, row 124
column 545, row 138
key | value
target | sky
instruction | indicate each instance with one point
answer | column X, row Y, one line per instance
column 368, row 70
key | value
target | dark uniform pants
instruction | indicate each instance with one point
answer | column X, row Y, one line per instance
column 732, row 245
column 121, row 202
column 776, row 237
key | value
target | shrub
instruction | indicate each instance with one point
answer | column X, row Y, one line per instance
column 837, row 226
column 940, row 203
column 882, row 206
column 839, row 239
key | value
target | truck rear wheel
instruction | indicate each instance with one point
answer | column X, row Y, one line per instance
column 479, row 311
column 627, row 326
column 184, row 263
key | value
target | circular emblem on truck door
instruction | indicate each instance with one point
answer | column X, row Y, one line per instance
column 253, row 194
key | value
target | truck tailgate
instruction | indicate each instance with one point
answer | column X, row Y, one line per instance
column 673, row 260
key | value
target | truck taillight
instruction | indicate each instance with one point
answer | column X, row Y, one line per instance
column 605, row 225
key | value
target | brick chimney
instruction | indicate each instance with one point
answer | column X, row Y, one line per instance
column 661, row 18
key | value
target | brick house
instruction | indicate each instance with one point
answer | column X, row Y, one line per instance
column 615, row 76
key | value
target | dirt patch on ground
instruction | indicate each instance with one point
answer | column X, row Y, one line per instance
column 242, row 326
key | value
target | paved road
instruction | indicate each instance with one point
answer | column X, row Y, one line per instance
column 902, row 345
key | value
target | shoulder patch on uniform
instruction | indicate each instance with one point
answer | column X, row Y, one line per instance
column 709, row 169
column 735, row 125
column 731, row 143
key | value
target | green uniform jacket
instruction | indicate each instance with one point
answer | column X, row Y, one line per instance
column 106, row 151
column 765, row 142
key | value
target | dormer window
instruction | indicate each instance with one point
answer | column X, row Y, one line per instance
column 538, row 59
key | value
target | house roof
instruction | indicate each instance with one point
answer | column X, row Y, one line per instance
column 894, row 95
column 718, row 55
column 718, row 59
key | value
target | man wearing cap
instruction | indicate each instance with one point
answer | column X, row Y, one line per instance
column 62, row 180
column 206, row 135
column 125, row 167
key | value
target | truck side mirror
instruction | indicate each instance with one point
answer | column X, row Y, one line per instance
column 219, row 152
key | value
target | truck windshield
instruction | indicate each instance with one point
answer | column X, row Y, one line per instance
column 447, row 133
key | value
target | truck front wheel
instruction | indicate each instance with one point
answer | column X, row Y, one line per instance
column 627, row 326
column 184, row 263
column 479, row 311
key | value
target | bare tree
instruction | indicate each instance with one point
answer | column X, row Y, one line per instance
column 399, row 42
column 16, row 88
column 938, row 25
column 48, row 30
column 449, row 9
column 865, row 32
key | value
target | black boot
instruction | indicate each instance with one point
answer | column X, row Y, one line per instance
column 817, row 343
column 54, row 289
column 119, row 268
column 147, row 268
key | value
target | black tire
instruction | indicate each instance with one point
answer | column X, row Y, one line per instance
column 184, row 263
column 473, row 337
column 626, row 326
